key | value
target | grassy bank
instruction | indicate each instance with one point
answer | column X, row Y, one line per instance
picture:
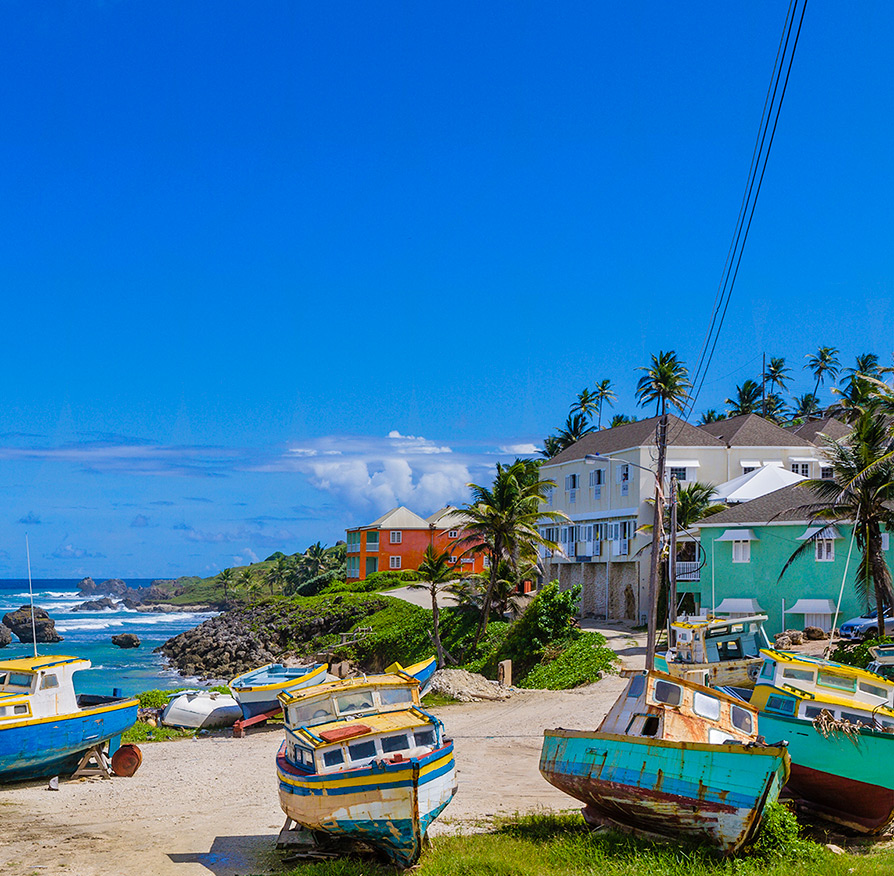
column 561, row 845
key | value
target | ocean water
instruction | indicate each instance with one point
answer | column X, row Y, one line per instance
column 89, row 634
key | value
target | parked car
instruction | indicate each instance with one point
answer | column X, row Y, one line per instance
column 866, row 627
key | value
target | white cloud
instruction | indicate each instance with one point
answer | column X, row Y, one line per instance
column 520, row 449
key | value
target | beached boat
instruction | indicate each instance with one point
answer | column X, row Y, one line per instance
column 839, row 722
column 671, row 759
column 45, row 727
column 716, row 651
column 201, row 709
column 362, row 762
column 423, row 672
column 257, row 691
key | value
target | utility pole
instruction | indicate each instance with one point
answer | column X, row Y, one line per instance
column 764, row 385
column 672, row 560
column 657, row 532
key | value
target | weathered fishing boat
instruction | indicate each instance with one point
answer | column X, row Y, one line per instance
column 257, row 691
column 839, row 722
column 716, row 651
column 45, row 727
column 201, row 709
column 362, row 762
column 671, row 759
column 423, row 672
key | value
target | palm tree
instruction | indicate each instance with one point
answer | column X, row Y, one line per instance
column 860, row 492
column 775, row 409
column 551, row 446
column 502, row 523
column 747, row 400
column 247, row 580
column 777, row 374
column 314, row 561
column 805, row 406
column 621, row 420
column 279, row 574
column 666, row 382
column 604, row 393
column 437, row 575
column 586, row 404
column 858, row 394
column 867, row 365
column 824, row 363
column 226, row 579
column 711, row 416
column 576, row 426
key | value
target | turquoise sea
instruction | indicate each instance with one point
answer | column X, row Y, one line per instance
column 89, row 634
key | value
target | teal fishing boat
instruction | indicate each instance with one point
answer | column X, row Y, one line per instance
column 671, row 759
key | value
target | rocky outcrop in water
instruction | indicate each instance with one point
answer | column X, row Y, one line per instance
column 126, row 640
column 5, row 636
column 19, row 622
column 139, row 598
column 102, row 604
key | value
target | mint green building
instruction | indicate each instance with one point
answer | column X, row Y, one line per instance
column 746, row 547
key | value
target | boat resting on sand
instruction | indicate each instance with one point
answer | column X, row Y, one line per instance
column 201, row 709
column 362, row 762
column 45, row 728
column 257, row 691
column 839, row 723
column 423, row 672
column 671, row 759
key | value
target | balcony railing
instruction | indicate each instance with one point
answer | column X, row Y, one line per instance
column 353, row 548
column 688, row 571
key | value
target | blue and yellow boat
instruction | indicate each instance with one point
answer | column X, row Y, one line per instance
column 45, row 728
column 363, row 762
column 257, row 691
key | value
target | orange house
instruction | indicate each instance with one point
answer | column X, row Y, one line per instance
column 398, row 539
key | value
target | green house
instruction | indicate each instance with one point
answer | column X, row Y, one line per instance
column 745, row 548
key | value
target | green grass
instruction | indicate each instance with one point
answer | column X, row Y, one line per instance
column 560, row 845
column 142, row 732
column 583, row 661
column 433, row 700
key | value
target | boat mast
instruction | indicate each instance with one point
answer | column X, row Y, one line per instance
column 31, row 597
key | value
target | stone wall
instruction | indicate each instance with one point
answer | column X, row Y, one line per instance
column 623, row 583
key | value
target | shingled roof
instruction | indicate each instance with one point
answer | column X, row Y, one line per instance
column 810, row 430
column 638, row 434
column 776, row 507
column 750, row 430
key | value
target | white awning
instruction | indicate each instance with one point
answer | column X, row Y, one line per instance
column 812, row 606
column 738, row 535
column 739, row 606
column 819, row 532
column 750, row 463
column 803, row 459
column 772, row 463
column 679, row 463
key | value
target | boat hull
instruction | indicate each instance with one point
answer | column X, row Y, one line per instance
column 53, row 746
column 201, row 711
column 388, row 805
column 737, row 673
column 837, row 778
column 656, row 788
column 258, row 699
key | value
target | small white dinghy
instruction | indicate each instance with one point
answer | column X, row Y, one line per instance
column 205, row 709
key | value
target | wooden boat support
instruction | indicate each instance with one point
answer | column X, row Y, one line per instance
column 240, row 726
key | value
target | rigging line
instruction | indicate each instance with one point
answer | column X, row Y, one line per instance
column 754, row 157
column 747, row 199
column 756, row 195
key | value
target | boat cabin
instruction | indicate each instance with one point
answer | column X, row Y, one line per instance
column 883, row 661
column 796, row 685
column 349, row 698
column 665, row 707
column 38, row 687
column 336, row 746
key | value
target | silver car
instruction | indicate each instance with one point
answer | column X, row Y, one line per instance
column 866, row 627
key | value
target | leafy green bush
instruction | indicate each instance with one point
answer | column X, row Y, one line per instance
column 400, row 632
column 158, row 699
column 142, row 732
column 779, row 837
column 858, row 655
column 584, row 661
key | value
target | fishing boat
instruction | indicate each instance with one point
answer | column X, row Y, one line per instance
column 257, row 691
column 201, row 709
column 672, row 758
column 423, row 672
column 716, row 651
column 362, row 762
column 839, row 723
column 45, row 727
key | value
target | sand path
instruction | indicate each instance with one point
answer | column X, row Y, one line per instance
column 210, row 805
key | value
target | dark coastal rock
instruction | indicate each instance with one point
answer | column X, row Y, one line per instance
column 113, row 587
column 5, row 636
column 101, row 604
column 19, row 621
column 126, row 640
column 87, row 587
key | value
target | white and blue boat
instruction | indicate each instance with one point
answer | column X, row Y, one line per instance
column 45, row 727
column 257, row 691
column 423, row 671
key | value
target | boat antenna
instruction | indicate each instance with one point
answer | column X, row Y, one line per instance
column 31, row 596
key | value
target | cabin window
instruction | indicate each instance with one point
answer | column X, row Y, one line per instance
column 741, row 719
column 874, row 690
column 19, row 679
column 836, row 682
column 20, row 710
column 768, row 668
column 781, row 704
column 356, row 702
column 637, row 686
column 362, row 750
column 650, row 725
column 304, row 756
column 730, row 650
column 333, row 757
column 798, row 674
column 706, row 706
column 854, row 718
column 307, row 713
column 717, row 632
column 812, row 711
column 49, row 681
column 425, row 738
column 391, row 696
column 395, row 743
column 737, row 628
column 665, row 692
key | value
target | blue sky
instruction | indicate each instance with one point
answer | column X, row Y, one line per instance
column 272, row 268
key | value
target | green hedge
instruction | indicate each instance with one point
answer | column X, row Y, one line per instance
column 583, row 661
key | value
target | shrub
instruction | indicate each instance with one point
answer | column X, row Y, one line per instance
column 779, row 837
column 400, row 632
column 858, row 655
column 584, row 661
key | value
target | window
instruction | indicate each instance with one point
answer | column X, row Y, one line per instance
column 665, row 692
column 372, row 541
column 425, row 737
column 572, row 481
column 48, row 681
column 454, row 533
column 798, row 674
column 637, row 686
column 801, row 468
column 854, row 718
column 304, row 756
column 813, row 711
column 825, row 550
column 624, row 479
column 396, row 536
column 394, row 562
column 826, row 472
column 781, row 704
column 392, row 695
column 836, row 682
column 741, row 719
column 362, row 750
column 354, row 702
column 706, row 706
column 747, row 469
column 333, row 757
column 20, row 710
column 741, row 551
column 19, row 679
column 395, row 743
column 873, row 690
column 548, row 496
column 678, row 473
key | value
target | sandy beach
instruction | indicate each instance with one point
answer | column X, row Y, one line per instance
column 210, row 805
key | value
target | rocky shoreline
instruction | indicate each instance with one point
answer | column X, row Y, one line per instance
column 115, row 594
